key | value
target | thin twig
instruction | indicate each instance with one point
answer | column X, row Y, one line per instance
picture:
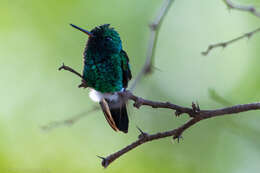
column 67, row 68
column 251, row 9
column 154, row 28
column 227, row 43
column 69, row 122
column 194, row 112
column 219, row 99
column 64, row 67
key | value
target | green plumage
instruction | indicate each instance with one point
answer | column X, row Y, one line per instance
column 106, row 70
column 106, row 67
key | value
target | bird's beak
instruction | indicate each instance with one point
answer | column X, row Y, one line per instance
column 82, row 30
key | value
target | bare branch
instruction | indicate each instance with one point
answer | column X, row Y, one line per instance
column 64, row 67
column 67, row 68
column 251, row 9
column 70, row 121
column 146, row 138
column 194, row 112
column 219, row 99
column 227, row 43
column 154, row 27
column 138, row 102
column 76, row 118
column 176, row 133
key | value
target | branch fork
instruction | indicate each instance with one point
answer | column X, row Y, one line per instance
column 195, row 113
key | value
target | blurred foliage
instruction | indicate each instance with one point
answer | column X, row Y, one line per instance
column 36, row 39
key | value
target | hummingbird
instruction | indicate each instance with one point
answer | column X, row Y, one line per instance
column 106, row 71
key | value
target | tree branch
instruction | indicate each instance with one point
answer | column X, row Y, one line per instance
column 143, row 138
column 197, row 115
column 70, row 121
column 219, row 99
column 64, row 67
column 227, row 43
column 154, row 28
column 251, row 9
column 194, row 112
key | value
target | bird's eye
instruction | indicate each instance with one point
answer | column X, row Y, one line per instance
column 108, row 38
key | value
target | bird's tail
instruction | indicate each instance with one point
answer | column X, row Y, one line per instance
column 115, row 114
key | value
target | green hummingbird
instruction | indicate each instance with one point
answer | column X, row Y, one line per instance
column 107, row 71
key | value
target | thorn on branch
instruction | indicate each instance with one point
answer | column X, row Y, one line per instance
column 178, row 113
column 61, row 67
column 178, row 137
column 249, row 35
column 252, row 9
column 224, row 45
column 142, row 133
column 153, row 26
column 148, row 69
column 195, row 107
column 82, row 85
column 138, row 103
column 104, row 161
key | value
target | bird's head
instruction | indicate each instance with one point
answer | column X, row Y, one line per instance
column 103, row 39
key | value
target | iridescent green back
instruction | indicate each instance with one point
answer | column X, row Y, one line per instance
column 106, row 66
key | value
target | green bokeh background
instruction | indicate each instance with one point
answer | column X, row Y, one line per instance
column 36, row 38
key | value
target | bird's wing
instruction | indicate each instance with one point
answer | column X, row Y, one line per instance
column 127, row 75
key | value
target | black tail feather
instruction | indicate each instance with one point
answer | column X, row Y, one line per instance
column 120, row 117
column 116, row 115
column 106, row 110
